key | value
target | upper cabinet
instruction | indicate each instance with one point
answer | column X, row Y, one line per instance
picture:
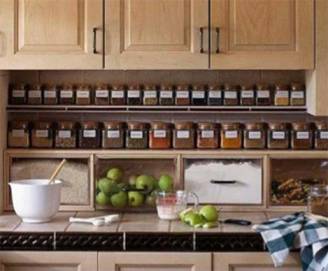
column 262, row 34
column 161, row 34
column 51, row 34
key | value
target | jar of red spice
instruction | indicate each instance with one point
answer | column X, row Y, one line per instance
column 160, row 136
column 207, row 136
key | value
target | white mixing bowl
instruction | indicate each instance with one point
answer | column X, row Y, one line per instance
column 35, row 200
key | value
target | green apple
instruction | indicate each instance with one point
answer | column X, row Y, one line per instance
column 102, row 199
column 210, row 225
column 184, row 213
column 119, row 200
column 133, row 180
column 145, row 182
column 210, row 213
column 165, row 183
column 108, row 187
column 194, row 219
column 136, row 199
column 115, row 174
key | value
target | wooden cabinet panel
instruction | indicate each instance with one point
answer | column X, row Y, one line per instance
column 262, row 34
column 162, row 34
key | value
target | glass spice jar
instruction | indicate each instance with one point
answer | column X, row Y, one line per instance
column 134, row 96
column 89, row 135
column 254, row 136
column 136, row 135
column 247, row 95
column 321, row 135
column 42, row 135
column 150, row 96
column 102, row 95
column 182, row 95
column 113, row 135
column 198, row 96
column 231, row 136
column 50, row 95
column 263, row 96
column 117, row 96
column 230, row 95
column 18, row 134
column 278, row 136
column 65, row 135
column 83, row 95
column 184, row 135
column 301, row 136
column 318, row 200
column 166, row 95
column 34, row 95
column 160, row 136
column 214, row 97
column 281, row 95
column 18, row 94
column 67, row 95
column 297, row 94
column 207, row 136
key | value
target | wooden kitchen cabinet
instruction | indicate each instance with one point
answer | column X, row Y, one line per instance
column 262, row 34
column 50, row 34
column 161, row 261
column 48, row 261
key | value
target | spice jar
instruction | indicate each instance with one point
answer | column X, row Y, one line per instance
column 230, row 96
column 150, row 95
column 184, row 135
column 207, row 136
column 166, row 95
column 254, row 136
column 65, row 136
column 117, row 96
column 113, row 135
column 67, row 95
column 134, row 96
column 102, row 95
column 214, row 97
column 198, row 96
column 263, row 97
column 182, row 95
column 160, row 136
column 89, row 135
column 18, row 134
column 42, row 135
column 301, row 136
column 136, row 136
column 278, row 136
column 231, row 136
column 247, row 95
column 50, row 95
column 297, row 94
column 318, row 200
column 281, row 95
column 34, row 95
column 18, row 94
column 321, row 136
column 83, row 95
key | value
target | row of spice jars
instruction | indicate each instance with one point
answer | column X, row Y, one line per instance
column 225, row 95
column 160, row 135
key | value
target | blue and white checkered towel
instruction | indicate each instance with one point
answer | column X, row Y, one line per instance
column 297, row 231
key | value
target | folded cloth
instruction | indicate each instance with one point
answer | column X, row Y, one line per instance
column 297, row 231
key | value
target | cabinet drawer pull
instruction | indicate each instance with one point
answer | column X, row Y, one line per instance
column 217, row 30
column 223, row 182
column 95, row 40
column 201, row 29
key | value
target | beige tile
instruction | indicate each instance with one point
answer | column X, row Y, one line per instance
column 9, row 221
column 255, row 218
column 142, row 223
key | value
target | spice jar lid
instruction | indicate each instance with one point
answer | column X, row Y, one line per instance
column 206, row 126
column 246, row 87
column 53, row 87
column 184, row 125
column 135, row 125
column 67, row 87
column 166, row 87
column 89, row 125
column 66, row 125
column 297, row 86
column 231, row 126
column 197, row 87
column 149, row 87
column 182, row 87
column 133, row 87
column 112, row 125
column 159, row 125
column 42, row 125
column 321, row 125
column 254, row 126
column 35, row 87
column 277, row 125
column 262, row 86
column 101, row 86
column 281, row 87
column 117, row 88
column 300, row 126
column 19, row 124
column 214, row 87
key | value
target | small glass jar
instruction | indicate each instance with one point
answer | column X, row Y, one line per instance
column 263, row 96
column 230, row 96
column 321, row 135
column 301, row 136
column 182, row 95
column 198, row 96
column 18, row 94
column 18, row 134
column 254, row 136
column 231, row 136
column 278, row 136
column 318, row 200
column 34, row 95
column 166, row 96
column 67, row 95
column 247, row 95
column 184, row 135
column 214, row 97
column 89, row 135
column 281, row 95
column 83, row 95
column 150, row 96
column 65, row 135
column 297, row 94
column 42, row 135
column 160, row 136
column 117, row 96
column 207, row 136
column 50, row 95
column 136, row 135
column 113, row 135
column 102, row 95
column 134, row 96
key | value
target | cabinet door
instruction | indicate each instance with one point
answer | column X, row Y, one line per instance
column 161, row 34
column 254, row 261
column 262, row 34
column 154, row 261
column 50, row 34
column 48, row 261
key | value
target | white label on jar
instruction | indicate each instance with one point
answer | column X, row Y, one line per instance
column 198, row 94
column 133, row 93
column 323, row 135
column 150, row 94
column 102, row 93
column 64, row 134
column 117, row 94
column 42, row 133
column 18, row 93
column 207, row 134
column 297, row 94
column 254, row 134
column 183, row 134
column 34, row 94
column 50, row 94
column 263, row 93
column 66, row 94
column 166, row 94
column 230, row 94
column 83, row 94
column 247, row 93
column 182, row 94
column 231, row 134
column 113, row 133
column 159, row 133
column 215, row 94
column 282, row 94
column 278, row 135
column 136, row 134
column 89, row 133
column 18, row 133
column 302, row 135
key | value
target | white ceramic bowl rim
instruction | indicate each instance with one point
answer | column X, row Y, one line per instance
column 35, row 182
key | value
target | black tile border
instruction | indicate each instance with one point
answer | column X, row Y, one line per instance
column 26, row 241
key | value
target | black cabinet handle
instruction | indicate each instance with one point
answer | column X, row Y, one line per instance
column 201, row 29
column 217, row 30
column 95, row 40
column 223, row 182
